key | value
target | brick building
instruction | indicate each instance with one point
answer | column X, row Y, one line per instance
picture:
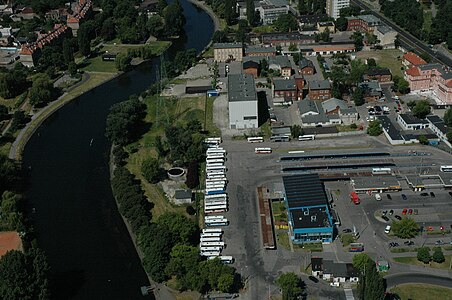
column 319, row 90
column 223, row 52
column 411, row 59
column 306, row 67
column 380, row 75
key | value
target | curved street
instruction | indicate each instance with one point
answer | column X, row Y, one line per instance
column 401, row 278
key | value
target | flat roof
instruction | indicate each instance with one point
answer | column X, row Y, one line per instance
column 375, row 182
column 304, row 190
column 410, row 119
column 314, row 217
column 241, row 87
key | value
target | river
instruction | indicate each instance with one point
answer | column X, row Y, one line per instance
column 76, row 220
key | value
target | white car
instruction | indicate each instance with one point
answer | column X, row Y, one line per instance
column 378, row 197
column 388, row 229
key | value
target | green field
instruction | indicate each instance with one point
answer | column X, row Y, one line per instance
column 389, row 58
column 413, row 261
column 422, row 291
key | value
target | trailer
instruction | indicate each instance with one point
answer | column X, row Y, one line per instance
column 354, row 198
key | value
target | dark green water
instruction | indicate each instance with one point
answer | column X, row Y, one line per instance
column 76, row 219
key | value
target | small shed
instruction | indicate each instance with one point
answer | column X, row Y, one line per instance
column 183, row 196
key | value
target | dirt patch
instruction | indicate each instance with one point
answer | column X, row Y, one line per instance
column 9, row 240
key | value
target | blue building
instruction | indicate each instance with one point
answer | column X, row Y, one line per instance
column 307, row 205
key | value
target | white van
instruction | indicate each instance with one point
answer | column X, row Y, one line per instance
column 388, row 229
column 378, row 197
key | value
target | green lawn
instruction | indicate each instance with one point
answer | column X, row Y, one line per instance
column 264, row 29
column 385, row 58
column 422, row 291
column 427, row 20
column 414, row 261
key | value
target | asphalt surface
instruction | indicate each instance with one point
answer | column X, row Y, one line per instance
column 406, row 38
column 401, row 278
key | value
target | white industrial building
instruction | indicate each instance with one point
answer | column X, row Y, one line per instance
column 333, row 7
column 242, row 101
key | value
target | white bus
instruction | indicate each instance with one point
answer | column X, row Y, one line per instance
column 212, row 244
column 209, row 230
column 262, row 150
column 211, row 253
column 210, row 165
column 213, row 139
column 215, row 185
column 215, row 206
column 216, row 175
column 446, row 168
column 213, row 218
column 215, row 156
column 210, row 239
column 213, row 223
column 210, row 249
column 210, row 161
column 255, row 139
column 224, row 259
column 306, row 137
column 215, row 169
column 280, row 138
column 295, row 152
column 216, row 209
column 381, row 171
column 211, row 234
column 211, row 183
column 215, row 151
column 219, row 196
column 215, row 201
column 213, row 180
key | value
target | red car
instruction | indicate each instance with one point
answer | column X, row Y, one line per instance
column 441, row 227
column 410, row 211
column 430, row 228
column 404, row 211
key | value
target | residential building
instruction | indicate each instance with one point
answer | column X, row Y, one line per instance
column 280, row 63
column 338, row 273
column 284, row 90
column 438, row 126
column 251, row 67
column 81, row 10
column 386, row 35
column 307, row 206
column 286, row 39
column 371, row 90
column 317, row 266
column 26, row 13
column 363, row 23
column 327, row 49
column 183, row 197
column 311, row 19
column 378, row 74
column 6, row 9
column 411, row 59
column 270, row 10
column 394, row 135
column 348, row 115
column 5, row 32
column 323, row 26
column 333, row 7
column 333, row 105
column 319, row 89
column 434, row 78
column 409, row 122
column 149, row 5
column 260, row 51
column 300, row 83
column 312, row 114
column 226, row 52
column 242, row 96
column 58, row 14
column 306, row 66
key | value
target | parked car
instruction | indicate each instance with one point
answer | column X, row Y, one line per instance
column 439, row 242
column 415, row 211
column 389, row 196
column 393, row 244
column 391, row 212
column 450, row 194
column 404, row 211
column 378, row 197
column 404, row 197
column 430, row 228
column 388, row 229
column 385, row 218
column 410, row 211
column 424, row 194
column 408, row 243
column 313, row 279
column 384, row 212
column 432, row 194
column 398, row 217
column 346, row 230
column 441, row 227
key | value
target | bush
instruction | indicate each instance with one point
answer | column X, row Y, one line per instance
column 347, row 239
column 150, row 170
column 192, row 175
column 438, row 255
column 423, row 255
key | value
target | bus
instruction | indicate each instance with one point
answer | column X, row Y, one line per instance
column 215, row 169
column 213, row 139
column 446, row 168
column 211, row 234
column 209, row 230
column 216, row 209
column 356, row 247
column 210, row 254
column 215, row 156
column 306, row 137
column 211, row 165
column 215, row 151
column 214, row 191
column 213, row 223
column 295, row 152
column 280, row 138
column 210, row 161
column 212, row 244
column 212, row 142
column 208, row 205
column 212, row 202
column 216, row 196
column 211, row 183
column 262, row 150
column 210, row 249
column 210, row 239
column 381, row 171
column 224, row 259
column 354, row 198
column 213, row 218
column 215, row 185
column 216, row 175
column 211, row 180
column 255, row 139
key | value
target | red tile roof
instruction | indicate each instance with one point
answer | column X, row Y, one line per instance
column 413, row 71
column 413, row 59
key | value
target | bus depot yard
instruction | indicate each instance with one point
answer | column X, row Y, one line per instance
column 390, row 182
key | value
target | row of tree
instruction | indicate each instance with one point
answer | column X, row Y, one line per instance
column 371, row 284
column 406, row 13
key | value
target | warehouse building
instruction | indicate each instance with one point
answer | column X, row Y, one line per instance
column 307, row 205
column 242, row 101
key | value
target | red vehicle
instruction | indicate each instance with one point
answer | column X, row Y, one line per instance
column 430, row 228
column 404, row 211
column 410, row 211
column 441, row 227
column 354, row 198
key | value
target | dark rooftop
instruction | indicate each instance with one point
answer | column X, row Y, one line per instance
column 313, row 217
column 387, row 125
column 410, row 119
column 377, row 71
column 304, row 190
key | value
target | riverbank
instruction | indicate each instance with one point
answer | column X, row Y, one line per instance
column 209, row 11
column 90, row 81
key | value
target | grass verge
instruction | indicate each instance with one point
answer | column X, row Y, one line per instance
column 422, row 291
column 414, row 261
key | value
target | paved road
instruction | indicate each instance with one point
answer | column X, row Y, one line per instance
column 406, row 38
column 401, row 278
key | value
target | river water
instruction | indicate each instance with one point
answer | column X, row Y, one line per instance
column 76, row 220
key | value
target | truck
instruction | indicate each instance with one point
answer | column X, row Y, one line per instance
column 354, row 198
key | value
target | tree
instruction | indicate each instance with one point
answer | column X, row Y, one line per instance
column 14, row 82
column 183, row 230
column 150, row 169
column 421, row 109
column 250, row 11
column 357, row 38
column 108, row 30
column 84, row 36
column 448, row 117
column 42, row 90
column 293, row 47
column 361, row 260
column 449, row 135
column 438, row 255
column 296, row 131
column 192, row 175
column 19, row 120
column 341, row 24
column 423, row 140
column 401, row 85
column 373, row 284
column 423, row 255
column 371, row 63
column 374, row 128
column 4, row 114
column 285, row 23
column 161, row 5
column 68, row 51
column 291, row 285
column 405, row 228
column 358, row 97
column 183, row 260
column 229, row 11
column 123, row 61
column 226, row 282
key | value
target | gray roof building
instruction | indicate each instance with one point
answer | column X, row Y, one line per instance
column 333, row 103
column 304, row 190
column 411, row 119
column 257, row 49
column 281, row 84
column 227, row 45
column 282, row 61
column 438, row 123
column 304, row 62
column 319, row 85
column 241, row 88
